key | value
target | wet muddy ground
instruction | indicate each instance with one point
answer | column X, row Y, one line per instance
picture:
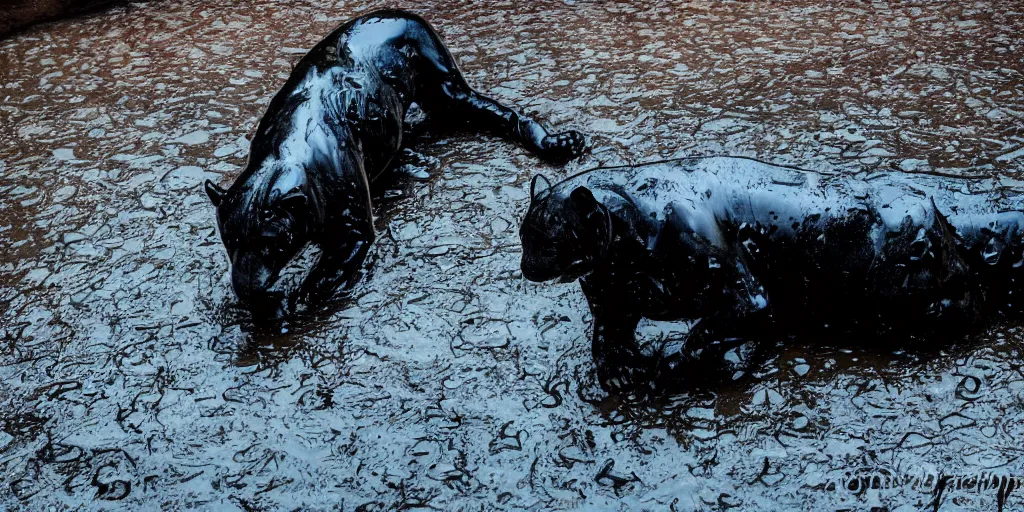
column 129, row 379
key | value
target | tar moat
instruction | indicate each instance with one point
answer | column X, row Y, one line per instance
column 131, row 378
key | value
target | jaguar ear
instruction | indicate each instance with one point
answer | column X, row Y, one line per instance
column 539, row 185
column 583, row 200
column 215, row 193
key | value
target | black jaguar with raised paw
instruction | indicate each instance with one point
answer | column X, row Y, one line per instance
column 333, row 128
column 750, row 249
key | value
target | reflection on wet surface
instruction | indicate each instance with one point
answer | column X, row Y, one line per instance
column 128, row 373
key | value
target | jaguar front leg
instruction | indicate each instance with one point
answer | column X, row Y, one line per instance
column 456, row 99
column 621, row 367
column 706, row 345
column 339, row 263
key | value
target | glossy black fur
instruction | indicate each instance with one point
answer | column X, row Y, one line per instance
column 334, row 127
column 751, row 249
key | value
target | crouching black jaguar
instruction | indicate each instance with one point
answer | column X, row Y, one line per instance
column 334, row 126
column 748, row 249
